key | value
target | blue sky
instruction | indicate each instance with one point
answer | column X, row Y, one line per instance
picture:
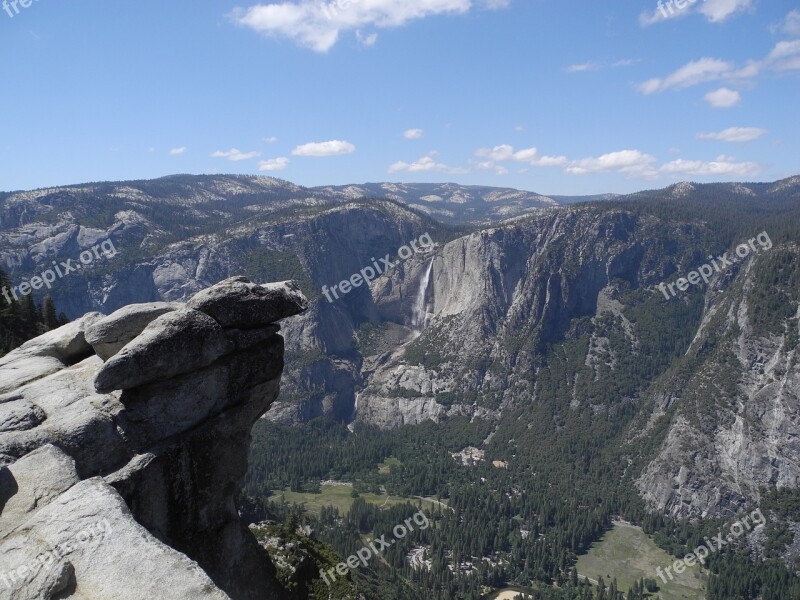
column 554, row 96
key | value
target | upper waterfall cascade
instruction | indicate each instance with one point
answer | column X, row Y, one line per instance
column 420, row 311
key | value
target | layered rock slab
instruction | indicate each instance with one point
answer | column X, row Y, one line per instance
column 152, row 442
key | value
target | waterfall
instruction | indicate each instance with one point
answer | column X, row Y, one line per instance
column 355, row 409
column 420, row 306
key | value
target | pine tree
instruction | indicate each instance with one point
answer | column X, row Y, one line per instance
column 49, row 313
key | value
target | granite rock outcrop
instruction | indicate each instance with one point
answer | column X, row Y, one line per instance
column 123, row 441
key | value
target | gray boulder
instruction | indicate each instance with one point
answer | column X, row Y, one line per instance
column 159, row 353
column 109, row 335
column 236, row 302
column 47, row 353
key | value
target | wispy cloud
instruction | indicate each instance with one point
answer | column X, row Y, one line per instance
column 785, row 56
column 723, row 166
column 318, row 25
column 366, row 39
column 717, row 11
column 178, row 151
column 636, row 164
column 632, row 163
column 490, row 165
column 530, row 156
column 628, row 162
column 331, row 148
column 693, row 73
column 734, row 134
column 790, row 25
column 413, row 134
column 235, row 155
column 600, row 66
column 426, row 163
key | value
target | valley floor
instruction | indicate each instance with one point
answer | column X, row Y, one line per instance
column 628, row 554
column 341, row 497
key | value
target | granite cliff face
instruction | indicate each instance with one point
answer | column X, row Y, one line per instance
column 123, row 440
column 495, row 300
column 734, row 406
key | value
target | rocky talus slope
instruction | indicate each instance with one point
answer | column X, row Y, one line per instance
column 123, row 440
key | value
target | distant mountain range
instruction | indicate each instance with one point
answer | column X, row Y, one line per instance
column 451, row 202
column 446, row 202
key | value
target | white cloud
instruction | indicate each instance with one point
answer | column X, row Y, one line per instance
column 269, row 140
column 723, row 98
column 235, row 155
column 734, row 134
column 629, row 162
column 785, row 56
column 717, row 11
column 413, row 134
column 784, row 49
column 151, row 149
column 318, row 25
column 426, row 163
column 723, row 166
column 634, row 163
column 490, row 165
column 531, row 156
column 579, row 68
column 331, row 148
column 274, row 164
column 790, row 25
column 551, row 161
column 693, row 73
column 178, row 151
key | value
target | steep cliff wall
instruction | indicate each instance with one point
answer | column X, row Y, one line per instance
column 733, row 405
column 118, row 478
